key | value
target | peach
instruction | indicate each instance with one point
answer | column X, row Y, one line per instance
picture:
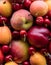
column 38, row 8
column 49, row 5
column 19, row 51
column 21, row 19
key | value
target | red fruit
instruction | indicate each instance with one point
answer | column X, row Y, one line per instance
column 8, row 58
column 4, row 19
column 5, row 48
column 43, row 51
column 26, row 63
column 38, row 36
column 39, row 20
column 1, row 57
column 49, row 14
column 23, row 34
column 27, row 3
column 46, row 22
column 15, row 6
column 17, row 1
column 31, row 50
column 50, row 34
column 50, row 47
column 15, row 34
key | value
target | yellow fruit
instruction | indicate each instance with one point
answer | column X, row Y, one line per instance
column 11, row 63
column 37, row 59
column 49, row 5
column 5, row 35
column 5, row 8
column 38, row 8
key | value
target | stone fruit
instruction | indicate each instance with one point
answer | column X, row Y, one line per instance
column 8, row 58
column 11, row 63
column 5, row 48
column 1, row 57
column 15, row 35
column 19, row 51
column 39, row 21
column 46, row 22
column 37, row 59
column 5, row 35
column 17, row 6
column 49, row 5
column 21, row 19
column 23, row 34
column 38, row 36
column 5, row 8
column 31, row 50
column 38, row 8
column 50, row 47
column 27, row 3
column 16, row 1
column 26, row 63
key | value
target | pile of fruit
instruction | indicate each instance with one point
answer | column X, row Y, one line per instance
column 25, row 32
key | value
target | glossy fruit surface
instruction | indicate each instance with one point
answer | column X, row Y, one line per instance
column 38, row 36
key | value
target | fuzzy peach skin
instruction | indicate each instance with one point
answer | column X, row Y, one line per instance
column 21, row 19
column 19, row 51
column 38, row 8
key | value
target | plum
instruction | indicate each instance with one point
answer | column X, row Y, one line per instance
column 38, row 36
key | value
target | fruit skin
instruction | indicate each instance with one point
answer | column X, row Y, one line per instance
column 38, row 36
column 50, row 47
column 38, row 8
column 11, row 63
column 5, row 49
column 39, row 21
column 21, row 19
column 8, row 58
column 5, row 8
column 1, row 57
column 5, row 35
column 49, row 5
column 19, row 51
column 41, row 59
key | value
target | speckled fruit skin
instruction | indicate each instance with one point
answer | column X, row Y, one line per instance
column 38, row 8
column 21, row 19
column 49, row 4
column 37, row 59
column 19, row 51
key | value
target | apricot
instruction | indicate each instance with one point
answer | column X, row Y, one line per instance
column 49, row 5
column 37, row 59
column 38, row 8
